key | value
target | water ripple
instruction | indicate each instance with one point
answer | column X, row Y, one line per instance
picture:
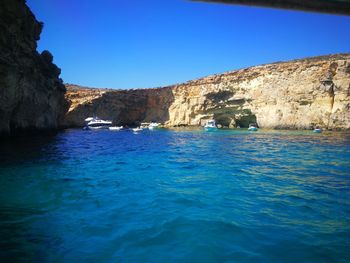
column 176, row 196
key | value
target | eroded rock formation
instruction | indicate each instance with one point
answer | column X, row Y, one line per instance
column 298, row 94
column 31, row 93
column 124, row 107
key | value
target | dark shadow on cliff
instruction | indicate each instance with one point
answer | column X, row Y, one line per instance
column 228, row 111
column 125, row 107
column 32, row 96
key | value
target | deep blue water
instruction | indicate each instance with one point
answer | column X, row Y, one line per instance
column 176, row 196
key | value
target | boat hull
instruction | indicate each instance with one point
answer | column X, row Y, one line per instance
column 115, row 128
column 210, row 128
column 97, row 127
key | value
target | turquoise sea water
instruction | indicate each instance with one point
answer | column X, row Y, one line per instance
column 176, row 196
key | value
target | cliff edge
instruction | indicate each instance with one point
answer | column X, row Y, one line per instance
column 32, row 96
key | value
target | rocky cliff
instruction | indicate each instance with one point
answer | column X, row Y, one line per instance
column 298, row 94
column 31, row 93
column 124, row 107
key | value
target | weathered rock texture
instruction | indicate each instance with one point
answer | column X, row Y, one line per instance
column 126, row 107
column 31, row 93
column 298, row 94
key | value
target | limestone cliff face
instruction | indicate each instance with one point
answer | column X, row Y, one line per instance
column 124, row 107
column 298, row 94
column 31, row 93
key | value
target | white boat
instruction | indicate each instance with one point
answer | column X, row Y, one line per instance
column 115, row 128
column 153, row 125
column 97, row 123
column 144, row 125
column 137, row 129
column 252, row 127
column 210, row 125
column 89, row 119
column 317, row 130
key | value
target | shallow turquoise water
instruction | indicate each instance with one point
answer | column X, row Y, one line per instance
column 176, row 196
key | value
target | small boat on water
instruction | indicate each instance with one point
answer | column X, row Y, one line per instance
column 317, row 130
column 144, row 125
column 210, row 125
column 115, row 128
column 95, row 123
column 253, row 127
column 138, row 129
column 149, row 125
column 153, row 125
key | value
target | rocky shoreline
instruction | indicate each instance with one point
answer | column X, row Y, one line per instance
column 298, row 94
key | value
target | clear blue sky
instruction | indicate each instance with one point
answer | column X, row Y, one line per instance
column 151, row 43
